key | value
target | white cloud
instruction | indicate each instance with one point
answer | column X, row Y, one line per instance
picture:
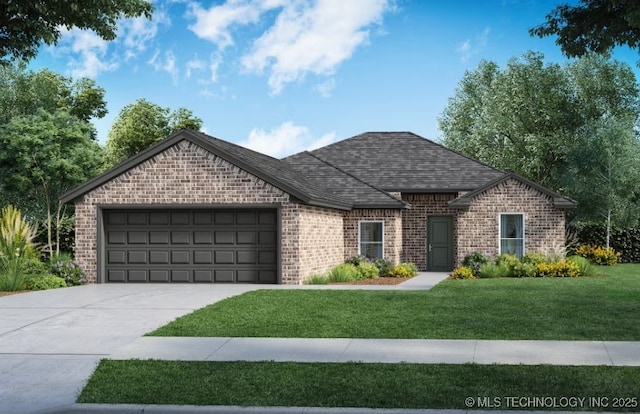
column 165, row 62
column 194, row 64
column 286, row 139
column 137, row 32
column 468, row 49
column 214, row 23
column 91, row 51
column 325, row 88
column 312, row 37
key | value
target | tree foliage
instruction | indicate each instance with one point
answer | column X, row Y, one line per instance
column 142, row 124
column 593, row 26
column 24, row 25
column 561, row 126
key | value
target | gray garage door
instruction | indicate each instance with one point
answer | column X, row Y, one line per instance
column 191, row 245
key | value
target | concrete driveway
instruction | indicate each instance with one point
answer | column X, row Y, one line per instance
column 51, row 341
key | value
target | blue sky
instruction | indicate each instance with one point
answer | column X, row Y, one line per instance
column 281, row 76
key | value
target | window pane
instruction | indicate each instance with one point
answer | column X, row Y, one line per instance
column 511, row 226
column 371, row 251
column 512, row 246
column 371, row 232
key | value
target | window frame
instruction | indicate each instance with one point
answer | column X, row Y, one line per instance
column 360, row 222
column 500, row 238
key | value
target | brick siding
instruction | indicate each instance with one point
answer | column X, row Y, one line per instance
column 392, row 231
column 321, row 240
column 478, row 226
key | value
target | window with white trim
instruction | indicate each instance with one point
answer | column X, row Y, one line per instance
column 512, row 234
column 371, row 239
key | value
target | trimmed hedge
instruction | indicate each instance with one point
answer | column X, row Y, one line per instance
column 627, row 242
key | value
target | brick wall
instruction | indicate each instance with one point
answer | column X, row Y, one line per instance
column 392, row 231
column 414, row 224
column 321, row 240
column 186, row 174
column 478, row 226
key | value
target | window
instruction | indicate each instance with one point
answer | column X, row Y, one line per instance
column 512, row 234
column 371, row 239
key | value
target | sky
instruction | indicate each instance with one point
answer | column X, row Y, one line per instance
column 283, row 76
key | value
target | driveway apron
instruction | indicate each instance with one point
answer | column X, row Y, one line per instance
column 51, row 341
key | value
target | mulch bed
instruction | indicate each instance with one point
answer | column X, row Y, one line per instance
column 3, row 293
column 378, row 281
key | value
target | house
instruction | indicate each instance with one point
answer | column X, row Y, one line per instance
column 193, row 208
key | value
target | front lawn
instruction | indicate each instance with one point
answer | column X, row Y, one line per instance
column 362, row 385
column 596, row 308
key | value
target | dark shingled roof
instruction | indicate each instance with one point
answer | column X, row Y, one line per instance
column 406, row 162
column 345, row 186
column 269, row 169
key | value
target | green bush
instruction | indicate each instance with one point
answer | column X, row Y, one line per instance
column 524, row 269
column 404, row 270
column 384, row 266
column 625, row 241
column 45, row 282
column 345, row 272
column 605, row 256
column 490, row 270
column 12, row 273
column 356, row 260
column 507, row 260
column 562, row 268
column 368, row 270
column 462, row 272
column 475, row 260
column 16, row 235
column 317, row 280
column 534, row 258
column 62, row 265
column 586, row 268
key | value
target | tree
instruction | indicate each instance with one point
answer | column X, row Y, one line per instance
column 24, row 25
column 541, row 120
column 41, row 157
column 142, row 124
column 593, row 26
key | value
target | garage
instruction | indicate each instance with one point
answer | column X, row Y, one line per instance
column 190, row 245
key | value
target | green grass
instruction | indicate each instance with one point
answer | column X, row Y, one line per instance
column 348, row 384
column 596, row 308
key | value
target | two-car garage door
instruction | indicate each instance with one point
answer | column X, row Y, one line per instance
column 191, row 245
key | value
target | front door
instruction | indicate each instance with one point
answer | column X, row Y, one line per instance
column 440, row 243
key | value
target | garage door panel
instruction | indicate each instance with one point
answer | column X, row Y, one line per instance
column 117, row 257
column 187, row 246
column 159, row 257
column 180, row 275
column 137, row 275
column 159, row 237
column 137, row 257
column 158, row 275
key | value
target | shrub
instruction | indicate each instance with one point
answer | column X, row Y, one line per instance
column 490, row 270
column 384, row 266
column 62, row 265
column 534, row 258
column 474, row 260
column 16, row 235
column 368, row 270
column 45, row 282
column 605, row 256
column 356, row 260
column 12, row 274
column 404, row 270
column 562, row 268
column 524, row 269
column 345, row 272
column 317, row 280
column 507, row 260
column 462, row 272
column 586, row 268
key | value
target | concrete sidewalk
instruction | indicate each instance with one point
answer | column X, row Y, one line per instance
column 428, row 351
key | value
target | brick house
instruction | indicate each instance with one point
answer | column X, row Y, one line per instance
column 193, row 208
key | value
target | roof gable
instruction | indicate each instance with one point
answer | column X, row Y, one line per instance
column 406, row 162
column 559, row 201
column 269, row 169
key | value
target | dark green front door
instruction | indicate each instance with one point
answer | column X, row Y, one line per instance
column 440, row 243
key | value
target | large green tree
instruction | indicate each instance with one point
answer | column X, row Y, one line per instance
column 538, row 119
column 593, row 26
column 47, row 143
column 25, row 25
column 143, row 123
